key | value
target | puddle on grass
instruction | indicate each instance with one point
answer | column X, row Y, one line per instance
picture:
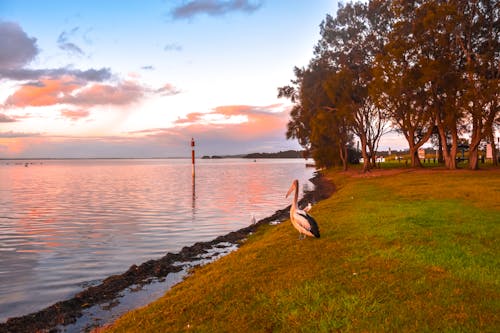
column 137, row 296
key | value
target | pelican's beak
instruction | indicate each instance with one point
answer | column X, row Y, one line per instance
column 290, row 190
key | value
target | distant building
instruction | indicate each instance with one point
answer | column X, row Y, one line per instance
column 421, row 153
column 378, row 159
column 489, row 151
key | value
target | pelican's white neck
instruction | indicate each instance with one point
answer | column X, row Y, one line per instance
column 295, row 187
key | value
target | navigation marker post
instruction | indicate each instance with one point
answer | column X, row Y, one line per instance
column 192, row 154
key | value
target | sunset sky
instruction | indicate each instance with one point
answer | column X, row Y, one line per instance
column 140, row 78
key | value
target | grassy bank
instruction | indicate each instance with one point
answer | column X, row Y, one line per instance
column 399, row 251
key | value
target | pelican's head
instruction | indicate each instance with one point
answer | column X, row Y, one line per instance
column 295, row 185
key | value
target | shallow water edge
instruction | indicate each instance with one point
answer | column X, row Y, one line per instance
column 66, row 313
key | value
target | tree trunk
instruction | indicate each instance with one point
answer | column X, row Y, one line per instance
column 474, row 152
column 414, row 146
column 343, row 155
column 474, row 147
column 366, row 160
column 493, row 149
column 373, row 158
column 440, row 150
column 453, row 151
column 443, row 142
column 346, row 158
column 449, row 155
column 415, row 161
column 364, row 153
column 474, row 159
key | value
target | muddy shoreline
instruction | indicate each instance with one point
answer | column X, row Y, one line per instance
column 68, row 311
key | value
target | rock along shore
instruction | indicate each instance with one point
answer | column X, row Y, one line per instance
column 68, row 311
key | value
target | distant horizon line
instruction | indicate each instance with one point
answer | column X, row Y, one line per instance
column 157, row 157
column 122, row 158
column 200, row 156
column 89, row 158
column 116, row 158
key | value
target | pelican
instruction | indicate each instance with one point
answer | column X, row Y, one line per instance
column 302, row 221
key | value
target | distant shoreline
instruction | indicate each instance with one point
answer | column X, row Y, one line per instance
column 281, row 154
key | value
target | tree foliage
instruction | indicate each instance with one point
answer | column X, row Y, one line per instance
column 425, row 66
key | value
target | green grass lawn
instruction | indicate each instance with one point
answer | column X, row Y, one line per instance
column 401, row 251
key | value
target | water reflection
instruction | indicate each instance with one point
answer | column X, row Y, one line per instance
column 65, row 223
column 193, row 187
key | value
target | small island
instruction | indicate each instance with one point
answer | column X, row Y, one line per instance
column 280, row 154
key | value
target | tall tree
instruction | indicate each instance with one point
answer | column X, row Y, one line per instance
column 398, row 86
column 430, row 66
column 315, row 121
column 349, row 43
column 298, row 127
column 478, row 36
column 491, row 134
column 434, row 25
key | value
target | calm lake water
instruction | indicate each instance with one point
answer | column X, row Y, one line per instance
column 68, row 224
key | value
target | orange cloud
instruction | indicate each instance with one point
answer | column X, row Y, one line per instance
column 69, row 90
column 190, row 118
column 75, row 114
column 42, row 93
column 240, row 122
column 213, row 118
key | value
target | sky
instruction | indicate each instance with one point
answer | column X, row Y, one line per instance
column 81, row 79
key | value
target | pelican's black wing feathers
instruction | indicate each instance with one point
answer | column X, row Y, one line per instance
column 314, row 226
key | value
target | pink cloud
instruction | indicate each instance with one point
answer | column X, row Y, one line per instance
column 257, row 125
column 267, row 134
column 45, row 92
column 190, row 118
column 124, row 93
column 239, row 122
column 69, row 90
column 75, row 114
column 154, row 132
column 12, row 134
column 168, row 90
column 6, row 119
